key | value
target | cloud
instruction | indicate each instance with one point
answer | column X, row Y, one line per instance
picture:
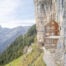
column 8, row 12
column 7, row 7
column 15, row 23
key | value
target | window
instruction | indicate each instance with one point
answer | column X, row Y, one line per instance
column 52, row 27
column 52, row 34
column 48, row 27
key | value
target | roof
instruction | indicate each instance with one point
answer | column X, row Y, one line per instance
column 52, row 23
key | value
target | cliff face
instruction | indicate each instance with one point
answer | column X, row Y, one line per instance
column 64, row 25
column 64, row 16
column 47, row 10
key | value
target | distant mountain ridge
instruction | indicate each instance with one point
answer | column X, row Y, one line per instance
column 7, row 35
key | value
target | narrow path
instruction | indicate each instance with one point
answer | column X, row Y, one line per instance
column 48, row 59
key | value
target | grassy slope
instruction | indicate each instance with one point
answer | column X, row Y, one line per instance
column 32, row 59
column 15, row 50
column 39, row 61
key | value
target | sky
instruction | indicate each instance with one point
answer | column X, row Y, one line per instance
column 16, row 13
